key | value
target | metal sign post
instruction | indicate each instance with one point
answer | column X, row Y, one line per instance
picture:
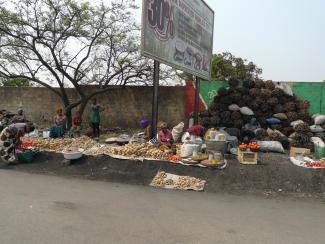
column 197, row 100
column 154, row 119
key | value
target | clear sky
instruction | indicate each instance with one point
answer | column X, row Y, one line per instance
column 286, row 38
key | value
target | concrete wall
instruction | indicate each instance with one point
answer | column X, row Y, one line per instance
column 124, row 107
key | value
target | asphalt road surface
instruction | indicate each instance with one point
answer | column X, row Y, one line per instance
column 38, row 209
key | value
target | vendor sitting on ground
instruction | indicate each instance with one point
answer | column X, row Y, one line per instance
column 145, row 124
column 9, row 140
column 248, row 130
column 19, row 117
column 164, row 136
column 76, row 125
column 196, row 130
column 58, row 129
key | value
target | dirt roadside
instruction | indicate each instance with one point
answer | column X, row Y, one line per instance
column 275, row 174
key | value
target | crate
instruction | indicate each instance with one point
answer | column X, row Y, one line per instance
column 295, row 150
column 26, row 157
column 245, row 157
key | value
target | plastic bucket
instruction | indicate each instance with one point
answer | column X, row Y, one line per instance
column 319, row 152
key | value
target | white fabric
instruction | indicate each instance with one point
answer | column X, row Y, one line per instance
column 320, row 119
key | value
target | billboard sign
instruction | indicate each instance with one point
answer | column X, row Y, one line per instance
column 179, row 33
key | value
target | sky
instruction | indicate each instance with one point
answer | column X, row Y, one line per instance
column 286, row 38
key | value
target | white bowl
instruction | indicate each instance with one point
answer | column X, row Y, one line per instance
column 73, row 155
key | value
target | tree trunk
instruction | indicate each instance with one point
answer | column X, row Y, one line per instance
column 68, row 114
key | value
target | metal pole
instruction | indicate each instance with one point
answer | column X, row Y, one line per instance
column 155, row 99
column 197, row 100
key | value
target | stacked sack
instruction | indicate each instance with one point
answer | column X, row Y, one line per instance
column 301, row 138
column 273, row 107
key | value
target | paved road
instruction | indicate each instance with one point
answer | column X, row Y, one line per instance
column 36, row 209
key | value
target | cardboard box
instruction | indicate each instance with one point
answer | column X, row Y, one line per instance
column 245, row 157
column 295, row 150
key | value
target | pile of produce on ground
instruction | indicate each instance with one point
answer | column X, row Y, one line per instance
column 165, row 180
column 272, row 106
column 134, row 151
column 60, row 144
column 130, row 150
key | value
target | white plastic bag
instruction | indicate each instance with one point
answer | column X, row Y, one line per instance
column 234, row 107
column 285, row 87
column 46, row 134
column 177, row 131
column 188, row 149
column 317, row 141
column 271, row 146
column 316, row 128
column 246, row 111
column 320, row 119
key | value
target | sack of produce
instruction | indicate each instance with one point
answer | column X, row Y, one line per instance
column 316, row 128
column 297, row 122
column 320, row 119
column 280, row 116
column 318, row 141
column 246, row 111
column 177, row 131
column 188, row 149
column 271, row 146
column 234, row 107
column 273, row 121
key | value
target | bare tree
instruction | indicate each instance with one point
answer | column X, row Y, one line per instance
column 65, row 43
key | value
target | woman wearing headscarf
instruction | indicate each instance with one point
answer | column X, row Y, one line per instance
column 145, row 124
column 164, row 136
column 19, row 117
column 10, row 139
column 59, row 126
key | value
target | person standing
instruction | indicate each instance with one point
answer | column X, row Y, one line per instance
column 95, row 118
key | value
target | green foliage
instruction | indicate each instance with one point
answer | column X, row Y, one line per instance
column 16, row 82
column 226, row 65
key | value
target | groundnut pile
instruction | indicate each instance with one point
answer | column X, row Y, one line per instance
column 130, row 150
column 135, row 150
column 60, row 144
column 182, row 182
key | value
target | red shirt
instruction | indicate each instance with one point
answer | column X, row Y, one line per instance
column 197, row 130
column 165, row 138
column 77, row 121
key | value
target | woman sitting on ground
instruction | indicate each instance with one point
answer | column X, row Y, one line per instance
column 10, row 139
column 164, row 136
column 19, row 117
column 76, row 125
column 59, row 126
column 145, row 124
